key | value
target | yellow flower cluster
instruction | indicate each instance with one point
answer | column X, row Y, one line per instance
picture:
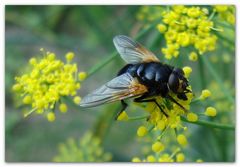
column 48, row 81
column 187, row 26
column 175, row 156
column 226, row 12
column 174, row 111
column 87, row 149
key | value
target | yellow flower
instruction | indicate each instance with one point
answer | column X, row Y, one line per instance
column 165, row 158
column 183, row 39
column 187, row 71
column 180, row 157
column 211, row 111
column 182, row 140
column 136, row 159
column 142, row 131
column 158, row 147
column 161, row 28
column 82, row 76
column 192, row 117
column 77, row 99
column 63, row 107
column 194, row 12
column 151, row 158
column 48, row 81
column 205, row 94
column 51, row 116
column 221, row 8
column 193, row 56
column 27, row 99
column 70, row 56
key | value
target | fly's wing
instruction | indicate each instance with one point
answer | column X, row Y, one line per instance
column 132, row 52
column 121, row 87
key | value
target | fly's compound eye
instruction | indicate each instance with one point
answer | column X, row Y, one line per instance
column 173, row 83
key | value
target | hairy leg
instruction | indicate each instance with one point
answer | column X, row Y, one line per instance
column 124, row 106
column 142, row 99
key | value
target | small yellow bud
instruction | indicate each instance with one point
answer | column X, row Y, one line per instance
column 33, row 61
column 51, row 56
column 199, row 160
column 16, row 87
column 123, row 116
column 77, row 99
column 63, row 107
column 192, row 117
column 136, row 159
column 70, row 56
column 82, row 76
column 151, row 158
column 187, row 71
column 211, row 111
column 161, row 28
column 51, row 116
column 158, row 147
column 161, row 125
column 182, row 140
column 193, row 56
column 27, row 99
column 142, row 131
column 205, row 93
column 180, row 157
column 41, row 49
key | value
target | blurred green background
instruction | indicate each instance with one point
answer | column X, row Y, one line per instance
column 88, row 31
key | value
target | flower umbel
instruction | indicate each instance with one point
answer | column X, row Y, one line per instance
column 47, row 83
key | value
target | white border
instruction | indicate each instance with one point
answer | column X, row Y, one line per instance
column 112, row 2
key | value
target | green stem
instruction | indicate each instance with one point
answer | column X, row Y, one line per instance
column 138, row 118
column 212, row 15
column 225, row 38
column 202, row 76
column 210, row 124
column 215, row 75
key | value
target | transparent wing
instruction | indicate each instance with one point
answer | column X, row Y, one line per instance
column 133, row 52
column 121, row 87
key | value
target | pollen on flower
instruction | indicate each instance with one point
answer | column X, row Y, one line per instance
column 63, row 107
column 158, row 147
column 123, row 116
column 205, row 94
column 182, row 140
column 211, row 111
column 142, row 131
column 51, row 116
column 187, row 71
column 192, row 117
column 82, row 76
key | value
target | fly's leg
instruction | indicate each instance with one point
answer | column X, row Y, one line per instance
column 142, row 99
column 174, row 101
column 124, row 106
